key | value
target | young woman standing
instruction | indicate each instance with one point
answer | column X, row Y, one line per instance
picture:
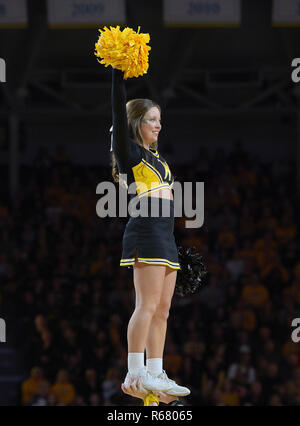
column 148, row 242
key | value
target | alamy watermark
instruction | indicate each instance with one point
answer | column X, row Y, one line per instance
column 2, row 331
column 296, row 72
column 2, row 71
column 139, row 205
column 296, row 333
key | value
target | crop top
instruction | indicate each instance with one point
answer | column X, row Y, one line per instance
column 146, row 168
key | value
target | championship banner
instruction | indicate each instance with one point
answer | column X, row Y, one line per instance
column 13, row 14
column 85, row 13
column 286, row 13
column 205, row 13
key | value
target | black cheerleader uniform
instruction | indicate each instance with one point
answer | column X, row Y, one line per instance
column 151, row 235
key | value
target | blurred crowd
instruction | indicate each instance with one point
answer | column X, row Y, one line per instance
column 71, row 301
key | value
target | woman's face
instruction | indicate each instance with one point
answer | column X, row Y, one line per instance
column 151, row 125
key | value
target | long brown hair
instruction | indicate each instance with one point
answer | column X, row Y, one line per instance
column 136, row 110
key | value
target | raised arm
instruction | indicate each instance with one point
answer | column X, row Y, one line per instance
column 126, row 151
column 120, row 142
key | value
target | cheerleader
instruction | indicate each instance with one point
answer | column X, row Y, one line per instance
column 148, row 245
column 148, row 242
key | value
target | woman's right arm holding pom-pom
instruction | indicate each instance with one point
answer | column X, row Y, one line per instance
column 127, row 152
column 120, row 125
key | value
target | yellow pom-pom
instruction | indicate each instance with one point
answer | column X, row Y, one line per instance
column 151, row 399
column 124, row 50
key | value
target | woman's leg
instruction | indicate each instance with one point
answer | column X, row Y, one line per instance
column 158, row 327
column 148, row 283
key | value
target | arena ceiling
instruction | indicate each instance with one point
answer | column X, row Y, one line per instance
column 192, row 69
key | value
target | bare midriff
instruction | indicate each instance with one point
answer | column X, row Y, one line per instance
column 162, row 193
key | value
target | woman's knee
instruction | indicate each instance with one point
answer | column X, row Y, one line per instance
column 146, row 308
column 162, row 312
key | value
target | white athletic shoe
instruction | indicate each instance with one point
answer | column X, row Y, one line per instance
column 149, row 382
column 175, row 389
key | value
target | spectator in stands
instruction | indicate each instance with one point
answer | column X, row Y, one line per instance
column 235, row 265
column 112, row 384
column 229, row 396
column 241, row 372
column 255, row 294
column 90, row 384
column 275, row 401
column 293, row 386
column 94, row 400
column 58, row 274
column 63, row 389
column 31, row 386
column 255, row 396
column 41, row 398
column 51, row 402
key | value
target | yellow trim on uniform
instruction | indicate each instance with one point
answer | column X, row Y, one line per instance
column 165, row 262
column 153, row 169
column 166, row 167
column 151, row 261
column 155, row 153
column 148, row 179
column 157, row 259
column 145, row 177
column 152, row 179
column 150, row 191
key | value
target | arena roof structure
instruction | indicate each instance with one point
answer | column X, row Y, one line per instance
column 201, row 73
column 204, row 70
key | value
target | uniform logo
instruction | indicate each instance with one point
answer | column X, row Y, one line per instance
column 167, row 170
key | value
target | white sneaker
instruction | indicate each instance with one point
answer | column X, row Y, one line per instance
column 149, row 382
column 175, row 389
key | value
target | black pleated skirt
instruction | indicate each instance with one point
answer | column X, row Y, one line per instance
column 151, row 234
